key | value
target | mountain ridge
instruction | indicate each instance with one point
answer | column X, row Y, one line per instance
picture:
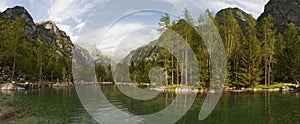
column 283, row 12
column 48, row 49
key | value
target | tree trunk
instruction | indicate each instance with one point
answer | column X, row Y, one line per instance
column 14, row 67
column 185, row 63
column 177, row 73
column 166, row 72
column 166, row 77
column 172, row 72
column 266, row 76
column 41, row 73
column 265, row 59
column 52, row 72
column 172, row 60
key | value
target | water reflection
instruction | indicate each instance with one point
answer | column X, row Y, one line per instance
column 115, row 107
column 61, row 105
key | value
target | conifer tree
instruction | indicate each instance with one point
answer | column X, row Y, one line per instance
column 268, row 45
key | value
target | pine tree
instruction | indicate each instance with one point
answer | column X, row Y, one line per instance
column 250, row 56
column 41, row 58
column 164, row 23
column 268, row 40
column 280, row 64
column 232, row 36
column 14, row 41
column 291, row 53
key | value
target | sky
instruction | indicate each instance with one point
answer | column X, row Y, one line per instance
column 99, row 24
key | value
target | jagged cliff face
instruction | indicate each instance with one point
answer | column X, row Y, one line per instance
column 12, row 14
column 43, row 32
column 241, row 17
column 283, row 12
column 50, row 33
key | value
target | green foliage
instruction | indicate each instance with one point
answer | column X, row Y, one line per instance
column 164, row 23
column 29, row 58
column 287, row 66
column 273, row 86
column 232, row 36
column 251, row 56
column 256, row 54
column 268, row 45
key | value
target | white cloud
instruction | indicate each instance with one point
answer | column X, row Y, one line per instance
column 169, row 1
column 119, row 32
column 3, row 5
column 254, row 7
column 134, row 40
column 131, row 41
column 62, row 10
column 66, row 28
column 69, row 15
column 79, row 26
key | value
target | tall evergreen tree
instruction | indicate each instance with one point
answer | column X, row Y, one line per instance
column 268, row 43
column 41, row 59
column 232, row 36
column 291, row 52
column 16, row 36
column 250, row 62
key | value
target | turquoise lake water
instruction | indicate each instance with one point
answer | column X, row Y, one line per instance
column 60, row 106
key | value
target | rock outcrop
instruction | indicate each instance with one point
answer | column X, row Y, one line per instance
column 43, row 32
column 10, row 86
column 283, row 12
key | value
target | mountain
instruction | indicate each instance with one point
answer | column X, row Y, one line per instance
column 283, row 12
column 251, row 47
column 42, row 47
column 241, row 16
column 43, row 32
column 165, row 52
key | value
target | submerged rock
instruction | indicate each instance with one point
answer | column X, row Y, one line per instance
column 7, row 109
column 6, row 115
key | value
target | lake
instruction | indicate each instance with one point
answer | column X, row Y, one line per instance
column 63, row 106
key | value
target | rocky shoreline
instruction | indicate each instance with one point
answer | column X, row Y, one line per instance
column 186, row 89
column 232, row 90
column 26, row 86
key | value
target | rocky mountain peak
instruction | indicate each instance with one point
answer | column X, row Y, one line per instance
column 283, row 12
column 52, row 27
column 12, row 14
column 238, row 14
column 241, row 16
column 43, row 32
column 18, row 11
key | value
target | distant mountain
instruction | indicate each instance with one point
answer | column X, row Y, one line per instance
column 283, row 12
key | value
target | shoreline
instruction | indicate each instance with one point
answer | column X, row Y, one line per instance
column 176, row 88
column 26, row 86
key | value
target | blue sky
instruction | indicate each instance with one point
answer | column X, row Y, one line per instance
column 72, row 15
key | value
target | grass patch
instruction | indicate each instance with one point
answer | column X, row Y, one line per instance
column 176, row 86
column 273, row 86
